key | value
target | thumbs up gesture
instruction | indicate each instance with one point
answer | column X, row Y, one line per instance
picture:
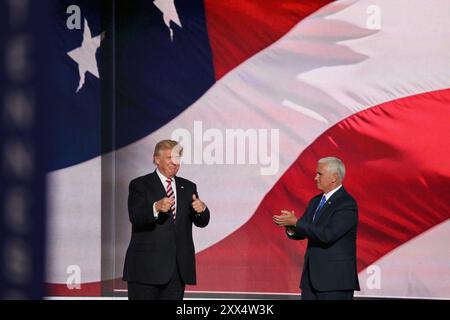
column 197, row 204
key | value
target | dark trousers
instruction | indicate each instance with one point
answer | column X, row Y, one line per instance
column 173, row 290
column 309, row 293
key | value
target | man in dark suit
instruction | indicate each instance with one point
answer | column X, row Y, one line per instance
column 329, row 223
column 162, row 207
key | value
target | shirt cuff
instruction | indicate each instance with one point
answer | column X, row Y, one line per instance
column 155, row 212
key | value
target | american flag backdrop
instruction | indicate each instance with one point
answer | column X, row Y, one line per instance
column 366, row 81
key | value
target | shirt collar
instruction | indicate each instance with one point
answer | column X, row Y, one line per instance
column 330, row 193
column 163, row 178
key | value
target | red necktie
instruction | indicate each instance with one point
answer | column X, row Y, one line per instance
column 171, row 194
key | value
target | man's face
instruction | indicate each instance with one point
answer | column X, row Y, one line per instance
column 168, row 162
column 325, row 180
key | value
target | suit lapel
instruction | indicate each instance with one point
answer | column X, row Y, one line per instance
column 181, row 196
column 155, row 183
column 330, row 204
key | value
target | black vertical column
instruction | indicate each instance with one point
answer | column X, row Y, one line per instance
column 108, row 123
column 22, row 149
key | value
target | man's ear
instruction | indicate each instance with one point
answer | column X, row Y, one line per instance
column 336, row 177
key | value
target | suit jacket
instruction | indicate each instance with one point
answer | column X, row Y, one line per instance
column 331, row 250
column 157, row 246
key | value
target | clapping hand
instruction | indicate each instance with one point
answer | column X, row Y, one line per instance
column 285, row 219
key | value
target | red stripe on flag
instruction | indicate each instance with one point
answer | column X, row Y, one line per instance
column 397, row 169
column 238, row 29
column 91, row 289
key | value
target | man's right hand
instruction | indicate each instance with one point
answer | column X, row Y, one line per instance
column 164, row 204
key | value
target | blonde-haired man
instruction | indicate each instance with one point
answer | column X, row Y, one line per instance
column 162, row 207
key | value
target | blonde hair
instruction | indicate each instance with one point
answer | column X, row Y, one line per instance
column 167, row 145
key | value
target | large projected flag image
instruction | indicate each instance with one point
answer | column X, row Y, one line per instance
column 256, row 91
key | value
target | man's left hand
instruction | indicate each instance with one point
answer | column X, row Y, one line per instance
column 197, row 204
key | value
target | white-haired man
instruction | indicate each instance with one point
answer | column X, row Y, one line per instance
column 330, row 225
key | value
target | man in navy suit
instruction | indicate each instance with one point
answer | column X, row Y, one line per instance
column 162, row 207
column 330, row 224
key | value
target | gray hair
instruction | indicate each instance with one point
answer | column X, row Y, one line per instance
column 334, row 165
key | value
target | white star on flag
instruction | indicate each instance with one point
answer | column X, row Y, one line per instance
column 84, row 56
column 169, row 12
